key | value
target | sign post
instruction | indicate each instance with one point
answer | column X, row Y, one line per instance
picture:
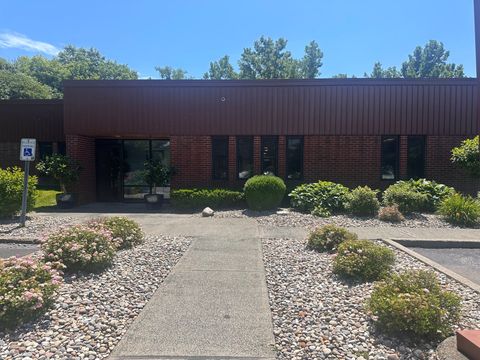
column 27, row 154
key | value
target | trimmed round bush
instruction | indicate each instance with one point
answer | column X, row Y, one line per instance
column 27, row 288
column 407, row 199
column 80, row 247
column 363, row 260
column 329, row 237
column 413, row 303
column 363, row 201
column 264, row 192
column 192, row 199
column 11, row 190
column 460, row 210
column 125, row 232
column 390, row 214
column 325, row 194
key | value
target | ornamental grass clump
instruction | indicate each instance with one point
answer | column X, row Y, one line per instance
column 125, row 232
column 460, row 210
column 390, row 214
column 27, row 288
column 414, row 304
column 363, row 260
column 328, row 238
column 80, row 247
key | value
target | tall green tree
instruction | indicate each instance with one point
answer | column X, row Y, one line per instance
column 221, row 70
column 17, row 85
column 312, row 61
column 170, row 73
column 379, row 72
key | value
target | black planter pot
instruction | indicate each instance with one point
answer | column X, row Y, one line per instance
column 153, row 201
column 65, row 200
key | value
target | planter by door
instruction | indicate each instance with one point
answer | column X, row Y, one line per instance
column 65, row 200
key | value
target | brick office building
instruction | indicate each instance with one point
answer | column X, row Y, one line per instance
column 218, row 133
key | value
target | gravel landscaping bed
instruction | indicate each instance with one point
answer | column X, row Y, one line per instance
column 317, row 316
column 294, row 218
column 35, row 227
column 92, row 312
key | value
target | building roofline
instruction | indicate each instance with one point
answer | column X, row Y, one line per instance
column 31, row 102
column 265, row 83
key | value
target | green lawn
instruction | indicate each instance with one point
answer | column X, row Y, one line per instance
column 46, row 198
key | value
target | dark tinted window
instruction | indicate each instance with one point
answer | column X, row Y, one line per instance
column 389, row 157
column 269, row 155
column 44, row 149
column 244, row 157
column 294, row 157
column 220, row 157
column 62, row 148
column 416, row 157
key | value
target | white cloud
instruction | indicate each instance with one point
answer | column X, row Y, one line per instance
column 20, row 41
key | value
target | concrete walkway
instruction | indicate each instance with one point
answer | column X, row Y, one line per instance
column 214, row 303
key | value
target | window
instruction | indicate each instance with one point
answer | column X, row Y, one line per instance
column 294, row 157
column 44, row 149
column 244, row 157
column 62, row 148
column 220, row 157
column 269, row 155
column 389, row 157
column 416, row 157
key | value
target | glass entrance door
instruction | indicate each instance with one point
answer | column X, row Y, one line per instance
column 108, row 155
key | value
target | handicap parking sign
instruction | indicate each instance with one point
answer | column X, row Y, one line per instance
column 27, row 149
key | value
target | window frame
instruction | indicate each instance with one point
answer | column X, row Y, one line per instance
column 397, row 157
column 213, row 139
column 302, row 152
column 250, row 138
column 275, row 137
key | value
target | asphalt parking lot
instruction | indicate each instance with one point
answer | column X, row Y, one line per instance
column 465, row 262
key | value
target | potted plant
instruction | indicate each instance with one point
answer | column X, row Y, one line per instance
column 155, row 175
column 66, row 171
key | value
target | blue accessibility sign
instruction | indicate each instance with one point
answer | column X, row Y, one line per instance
column 27, row 149
column 27, row 152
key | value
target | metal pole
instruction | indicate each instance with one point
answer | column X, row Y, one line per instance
column 25, row 194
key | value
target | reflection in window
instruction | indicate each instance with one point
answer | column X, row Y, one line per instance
column 135, row 153
column 244, row 157
column 416, row 157
column 269, row 155
column 389, row 157
column 294, row 157
column 220, row 157
column 44, row 149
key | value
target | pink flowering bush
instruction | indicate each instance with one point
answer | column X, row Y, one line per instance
column 126, row 233
column 27, row 288
column 80, row 247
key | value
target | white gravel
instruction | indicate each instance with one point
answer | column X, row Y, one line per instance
column 92, row 312
column 36, row 226
column 295, row 218
column 317, row 316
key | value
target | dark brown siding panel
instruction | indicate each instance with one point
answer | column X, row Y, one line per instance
column 282, row 107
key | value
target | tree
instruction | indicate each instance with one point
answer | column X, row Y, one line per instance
column 16, row 85
column 431, row 62
column 467, row 156
column 312, row 61
column 221, row 70
column 379, row 72
column 170, row 73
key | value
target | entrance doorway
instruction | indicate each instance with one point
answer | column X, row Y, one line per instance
column 119, row 167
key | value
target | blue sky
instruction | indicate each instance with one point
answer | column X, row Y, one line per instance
column 353, row 34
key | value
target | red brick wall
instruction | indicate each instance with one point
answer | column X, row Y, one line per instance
column 82, row 149
column 10, row 154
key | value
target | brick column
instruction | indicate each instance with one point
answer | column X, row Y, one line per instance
column 82, row 149
column 257, row 157
column 232, row 160
column 282, row 153
column 403, row 149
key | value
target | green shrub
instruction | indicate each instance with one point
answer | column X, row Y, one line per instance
column 407, row 199
column 434, row 192
column 62, row 168
column 390, row 214
column 11, row 190
column 328, row 237
column 80, row 247
column 460, row 210
column 201, row 198
column 413, row 303
column 125, row 232
column 321, row 212
column 326, row 194
column 264, row 192
column 467, row 156
column 27, row 288
column 363, row 201
column 363, row 260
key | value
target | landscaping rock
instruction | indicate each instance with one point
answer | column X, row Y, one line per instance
column 93, row 311
column 207, row 212
column 36, row 227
